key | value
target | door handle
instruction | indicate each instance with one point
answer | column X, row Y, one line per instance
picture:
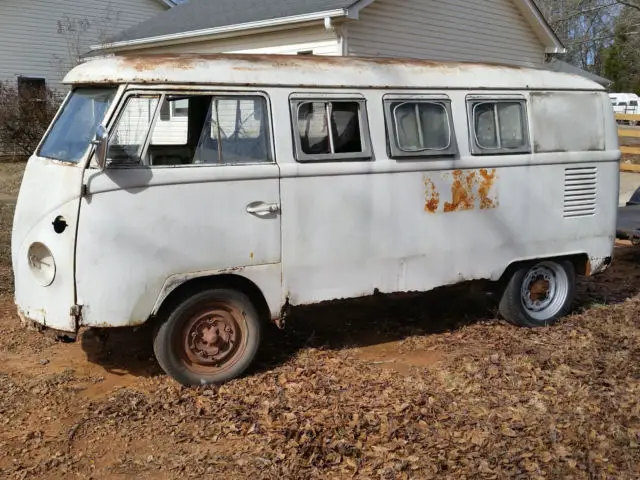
column 262, row 209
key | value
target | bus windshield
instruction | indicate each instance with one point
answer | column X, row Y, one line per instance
column 71, row 134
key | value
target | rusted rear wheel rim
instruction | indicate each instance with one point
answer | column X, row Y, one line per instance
column 213, row 338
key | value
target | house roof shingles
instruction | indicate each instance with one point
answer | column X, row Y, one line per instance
column 205, row 14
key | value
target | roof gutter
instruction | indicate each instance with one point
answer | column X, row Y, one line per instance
column 531, row 11
column 227, row 29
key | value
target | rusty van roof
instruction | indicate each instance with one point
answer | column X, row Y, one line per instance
column 316, row 71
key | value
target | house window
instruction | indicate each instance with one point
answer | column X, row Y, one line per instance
column 498, row 127
column 419, row 127
column 174, row 108
column 330, row 130
column 32, row 88
column 180, row 108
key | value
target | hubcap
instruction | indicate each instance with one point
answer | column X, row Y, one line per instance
column 213, row 339
column 544, row 290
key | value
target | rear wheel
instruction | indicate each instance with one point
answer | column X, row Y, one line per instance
column 211, row 337
column 539, row 294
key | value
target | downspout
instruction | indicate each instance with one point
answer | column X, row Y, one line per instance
column 339, row 33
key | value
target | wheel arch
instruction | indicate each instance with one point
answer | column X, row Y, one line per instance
column 178, row 290
column 580, row 261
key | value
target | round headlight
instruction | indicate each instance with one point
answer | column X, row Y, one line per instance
column 42, row 264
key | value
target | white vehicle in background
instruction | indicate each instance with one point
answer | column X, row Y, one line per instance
column 626, row 104
column 281, row 181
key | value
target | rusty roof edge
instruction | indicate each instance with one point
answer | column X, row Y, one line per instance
column 359, row 72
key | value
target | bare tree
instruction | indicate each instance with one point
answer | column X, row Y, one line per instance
column 80, row 32
column 601, row 36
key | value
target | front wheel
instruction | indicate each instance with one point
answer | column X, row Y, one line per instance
column 539, row 295
column 210, row 338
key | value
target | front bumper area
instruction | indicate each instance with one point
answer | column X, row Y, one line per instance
column 41, row 327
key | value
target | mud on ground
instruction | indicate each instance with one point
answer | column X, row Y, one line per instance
column 429, row 386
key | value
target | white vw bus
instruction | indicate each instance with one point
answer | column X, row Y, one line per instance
column 210, row 194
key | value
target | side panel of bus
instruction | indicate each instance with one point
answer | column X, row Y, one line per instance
column 354, row 225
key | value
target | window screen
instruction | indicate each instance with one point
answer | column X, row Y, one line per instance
column 498, row 127
column 419, row 127
column 330, row 130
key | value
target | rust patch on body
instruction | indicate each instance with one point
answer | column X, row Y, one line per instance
column 150, row 62
column 462, row 197
column 432, row 197
column 486, row 185
column 470, row 189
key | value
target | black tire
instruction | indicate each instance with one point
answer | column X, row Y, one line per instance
column 539, row 294
column 209, row 338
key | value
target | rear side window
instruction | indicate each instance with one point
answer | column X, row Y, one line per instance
column 330, row 130
column 568, row 121
column 419, row 127
column 498, row 127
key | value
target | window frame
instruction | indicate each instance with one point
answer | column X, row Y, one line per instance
column 474, row 147
column 394, row 149
column 144, row 146
column 162, row 92
column 267, row 126
column 297, row 99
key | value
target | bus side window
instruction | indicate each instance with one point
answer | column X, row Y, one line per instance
column 207, row 129
column 235, row 132
column 419, row 127
column 498, row 127
column 330, row 130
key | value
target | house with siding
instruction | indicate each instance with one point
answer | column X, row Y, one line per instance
column 41, row 39
column 503, row 31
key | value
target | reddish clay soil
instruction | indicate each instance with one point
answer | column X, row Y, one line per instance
column 429, row 386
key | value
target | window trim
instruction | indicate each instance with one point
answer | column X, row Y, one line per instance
column 296, row 100
column 122, row 106
column 474, row 146
column 395, row 151
column 137, row 91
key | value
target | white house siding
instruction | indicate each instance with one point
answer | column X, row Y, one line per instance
column 315, row 38
column 30, row 42
column 479, row 30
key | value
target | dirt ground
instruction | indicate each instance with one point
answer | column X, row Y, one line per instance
column 429, row 386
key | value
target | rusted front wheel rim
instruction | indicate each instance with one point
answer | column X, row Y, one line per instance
column 213, row 338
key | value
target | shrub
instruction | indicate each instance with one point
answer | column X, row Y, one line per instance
column 24, row 117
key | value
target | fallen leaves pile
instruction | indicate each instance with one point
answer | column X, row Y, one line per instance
column 493, row 401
